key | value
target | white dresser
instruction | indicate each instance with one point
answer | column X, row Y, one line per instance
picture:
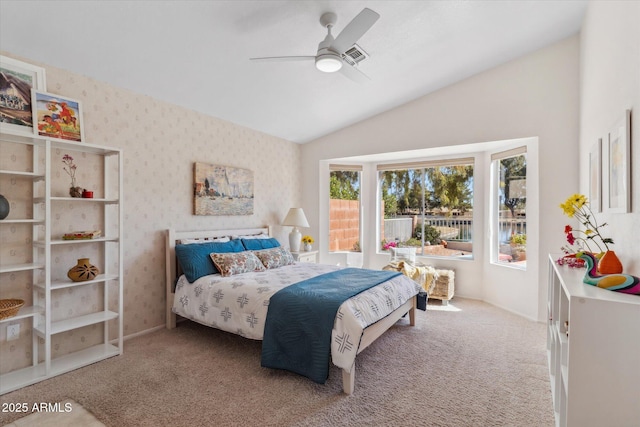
column 593, row 344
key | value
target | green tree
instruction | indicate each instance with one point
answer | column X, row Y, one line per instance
column 415, row 192
column 405, row 186
column 513, row 170
column 344, row 185
column 390, row 205
column 451, row 186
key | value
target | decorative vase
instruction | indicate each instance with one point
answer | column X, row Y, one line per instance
column 307, row 247
column 83, row 271
column 609, row 263
column 75, row 192
column 4, row 207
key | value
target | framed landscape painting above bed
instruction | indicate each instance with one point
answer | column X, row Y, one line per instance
column 222, row 190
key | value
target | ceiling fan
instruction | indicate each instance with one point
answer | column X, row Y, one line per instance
column 331, row 52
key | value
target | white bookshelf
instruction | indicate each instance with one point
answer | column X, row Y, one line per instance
column 43, row 248
column 593, row 345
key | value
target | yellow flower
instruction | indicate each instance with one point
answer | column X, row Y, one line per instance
column 307, row 239
column 568, row 209
column 577, row 206
column 578, row 200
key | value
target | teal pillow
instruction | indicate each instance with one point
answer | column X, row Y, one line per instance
column 257, row 244
column 195, row 261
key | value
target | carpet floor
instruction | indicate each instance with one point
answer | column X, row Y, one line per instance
column 466, row 364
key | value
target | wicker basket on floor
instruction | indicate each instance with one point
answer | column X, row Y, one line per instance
column 444, row 287
column 10, row 307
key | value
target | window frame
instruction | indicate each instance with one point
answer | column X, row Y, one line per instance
column 496, row 204
column 333, row 167
column 465, row 160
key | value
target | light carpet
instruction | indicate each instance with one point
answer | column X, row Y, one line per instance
column 468, row 364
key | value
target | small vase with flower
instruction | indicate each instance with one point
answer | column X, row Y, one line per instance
column 70, row 168
column 577, row 206
column 306, row 243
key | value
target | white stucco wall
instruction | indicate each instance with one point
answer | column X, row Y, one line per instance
column 609, row 85
column 535, row 96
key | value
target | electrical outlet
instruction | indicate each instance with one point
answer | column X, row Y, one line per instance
column 13, row 332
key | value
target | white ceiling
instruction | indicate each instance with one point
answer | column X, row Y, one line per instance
column 196, row 53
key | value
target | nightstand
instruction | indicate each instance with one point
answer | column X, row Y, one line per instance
column 308, row 256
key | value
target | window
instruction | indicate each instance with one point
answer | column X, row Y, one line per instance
column 509, row 213
column 428, row 206
column 344, row 208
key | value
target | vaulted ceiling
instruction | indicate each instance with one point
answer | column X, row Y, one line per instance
column 196, row 53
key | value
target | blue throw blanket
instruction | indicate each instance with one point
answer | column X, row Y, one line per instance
column 297, row 331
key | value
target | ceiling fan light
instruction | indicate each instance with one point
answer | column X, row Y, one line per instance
column 328, row 63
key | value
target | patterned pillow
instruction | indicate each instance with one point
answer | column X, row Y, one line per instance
column 276, row 257
column 236, row 263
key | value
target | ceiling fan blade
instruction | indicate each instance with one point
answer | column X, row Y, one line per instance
column 353, row 73
column 284, row 58
column 354, row 30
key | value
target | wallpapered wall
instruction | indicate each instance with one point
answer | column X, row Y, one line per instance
column 160, row 142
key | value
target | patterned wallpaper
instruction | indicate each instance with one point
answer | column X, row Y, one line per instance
column 160, row 142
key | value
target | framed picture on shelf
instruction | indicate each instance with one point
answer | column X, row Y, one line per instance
column 619, row 166
column 595, row 177
column 56, row 116
column 17, row 78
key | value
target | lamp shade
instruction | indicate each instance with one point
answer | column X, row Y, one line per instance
column 296, row 218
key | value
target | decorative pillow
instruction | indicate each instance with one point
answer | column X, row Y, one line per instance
column 236, row 263
column 195, row 261
column 275, row 257
column 257, row 244
column 205, row 240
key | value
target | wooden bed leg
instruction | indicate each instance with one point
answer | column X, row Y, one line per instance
column 171, row 320
column 349, row 380
column 412, row 312
column 171, row 316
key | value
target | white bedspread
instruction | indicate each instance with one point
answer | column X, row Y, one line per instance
column 239, row 304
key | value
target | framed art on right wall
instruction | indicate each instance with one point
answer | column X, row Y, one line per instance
column 619, row 166
column 595, row 177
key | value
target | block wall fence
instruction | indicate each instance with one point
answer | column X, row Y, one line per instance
column 344, row 228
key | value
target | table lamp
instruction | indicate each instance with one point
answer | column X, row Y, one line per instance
column 295, row 218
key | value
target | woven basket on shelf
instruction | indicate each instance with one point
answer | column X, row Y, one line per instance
column 10, row 307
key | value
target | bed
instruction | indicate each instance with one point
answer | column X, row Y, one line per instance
column 359, row 321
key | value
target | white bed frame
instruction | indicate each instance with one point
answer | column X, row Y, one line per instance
column 370, row 334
